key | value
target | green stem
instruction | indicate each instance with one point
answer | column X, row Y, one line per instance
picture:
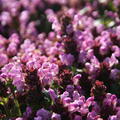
column 17, row 106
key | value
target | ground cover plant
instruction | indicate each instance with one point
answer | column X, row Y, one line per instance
column 59, row 59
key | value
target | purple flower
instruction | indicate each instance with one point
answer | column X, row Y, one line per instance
column 38, row 118
column 52, row 94
column 103, row 50
column 76, row 79
column 24, row 16
column 76, row 95
column 28, row 112
column 77, row 117
column 12, row 49
column 3, row 59
column 92, row 116
column 116, row 50
column 115, row 74
column 47, row 72
column 113, row 117
column 83, row 56
column 19, row 118
column 90, row 101
column 5, row 18
column 84, row 110
column 73, row 107
column 44, row 114
column 66, row 101
column 55, row 116
column 116, row 2
column 93, row 67
column 110, row 101
column 112, row 60
column 96, row 107
column 70, row 88
column 118, row 114
column 67, row 59
column 69, row 29
column 13, row 71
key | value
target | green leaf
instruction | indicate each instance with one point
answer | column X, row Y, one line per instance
column 1, row 103
column 4, row 100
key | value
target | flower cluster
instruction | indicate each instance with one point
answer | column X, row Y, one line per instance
column 59, row 60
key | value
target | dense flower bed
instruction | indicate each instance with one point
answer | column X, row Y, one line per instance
column 59, row 59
